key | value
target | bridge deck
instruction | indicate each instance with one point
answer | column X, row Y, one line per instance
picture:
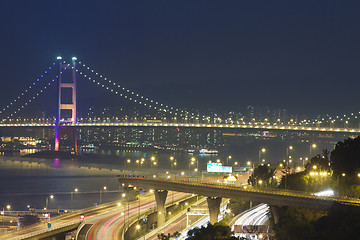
column 272, row 197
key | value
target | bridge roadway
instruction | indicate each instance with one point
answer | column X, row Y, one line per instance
column 273, row 197
column 60, row 224
column 262, row 126
column 113, row 224
column 104, row 221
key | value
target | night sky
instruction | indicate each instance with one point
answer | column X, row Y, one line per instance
column 300, row 55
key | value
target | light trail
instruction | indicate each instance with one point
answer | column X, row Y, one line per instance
column 256, row 216
column 202, row 222
column 109, row 225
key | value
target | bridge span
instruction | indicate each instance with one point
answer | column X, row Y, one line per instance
column 215, row 192
column 259, row 126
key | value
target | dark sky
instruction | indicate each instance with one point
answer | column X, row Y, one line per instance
column 300, row 55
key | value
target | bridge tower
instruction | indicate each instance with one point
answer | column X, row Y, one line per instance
column 66, row 111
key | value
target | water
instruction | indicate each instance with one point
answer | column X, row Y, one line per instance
column 27, row 181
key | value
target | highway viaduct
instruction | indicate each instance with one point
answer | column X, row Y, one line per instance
column 215, row 192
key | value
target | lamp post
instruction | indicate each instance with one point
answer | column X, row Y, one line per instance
column 227, row 160
column 249, row 163
column 47, row 200
column 312, row 146
column 71, row 197
column 287, row 150
column 263, row 150
column 3, row 214
column 2, row 218
column 101, row 190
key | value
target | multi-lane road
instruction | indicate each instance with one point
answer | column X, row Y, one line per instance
column 103, row 222
column 111, row 224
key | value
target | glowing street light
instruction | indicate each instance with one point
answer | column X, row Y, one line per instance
column 227, row 160
column 47, row 200
column 288, row 149
column 313, row 146
column 261, row 151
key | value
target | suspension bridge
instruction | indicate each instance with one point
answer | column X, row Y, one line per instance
column 170, row 116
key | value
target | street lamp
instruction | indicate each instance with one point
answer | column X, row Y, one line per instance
column 172, row 162
column 46, row 201
column 263, row 150
column 227, row 160
column 192, row 162
column 71, row 197
column 101, row 190
column 288, row 149
column 312, row 146
column 250, row 164
column 3, row 214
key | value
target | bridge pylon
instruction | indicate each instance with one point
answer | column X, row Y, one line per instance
column 66, row 111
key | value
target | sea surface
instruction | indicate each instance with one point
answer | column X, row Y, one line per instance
column 29, row 181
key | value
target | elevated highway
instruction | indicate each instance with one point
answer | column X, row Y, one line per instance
column 273, row 197
column 60, row 224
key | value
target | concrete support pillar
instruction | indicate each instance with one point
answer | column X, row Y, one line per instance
column 214, row 208
column 160, row 197
column 275, row 212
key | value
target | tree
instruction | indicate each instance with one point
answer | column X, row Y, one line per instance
column 339, row 222
column 297, row 223
column 263, row 173
column 218, row 231
column 321, row 163
column 345, row 158
column 163, row 236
